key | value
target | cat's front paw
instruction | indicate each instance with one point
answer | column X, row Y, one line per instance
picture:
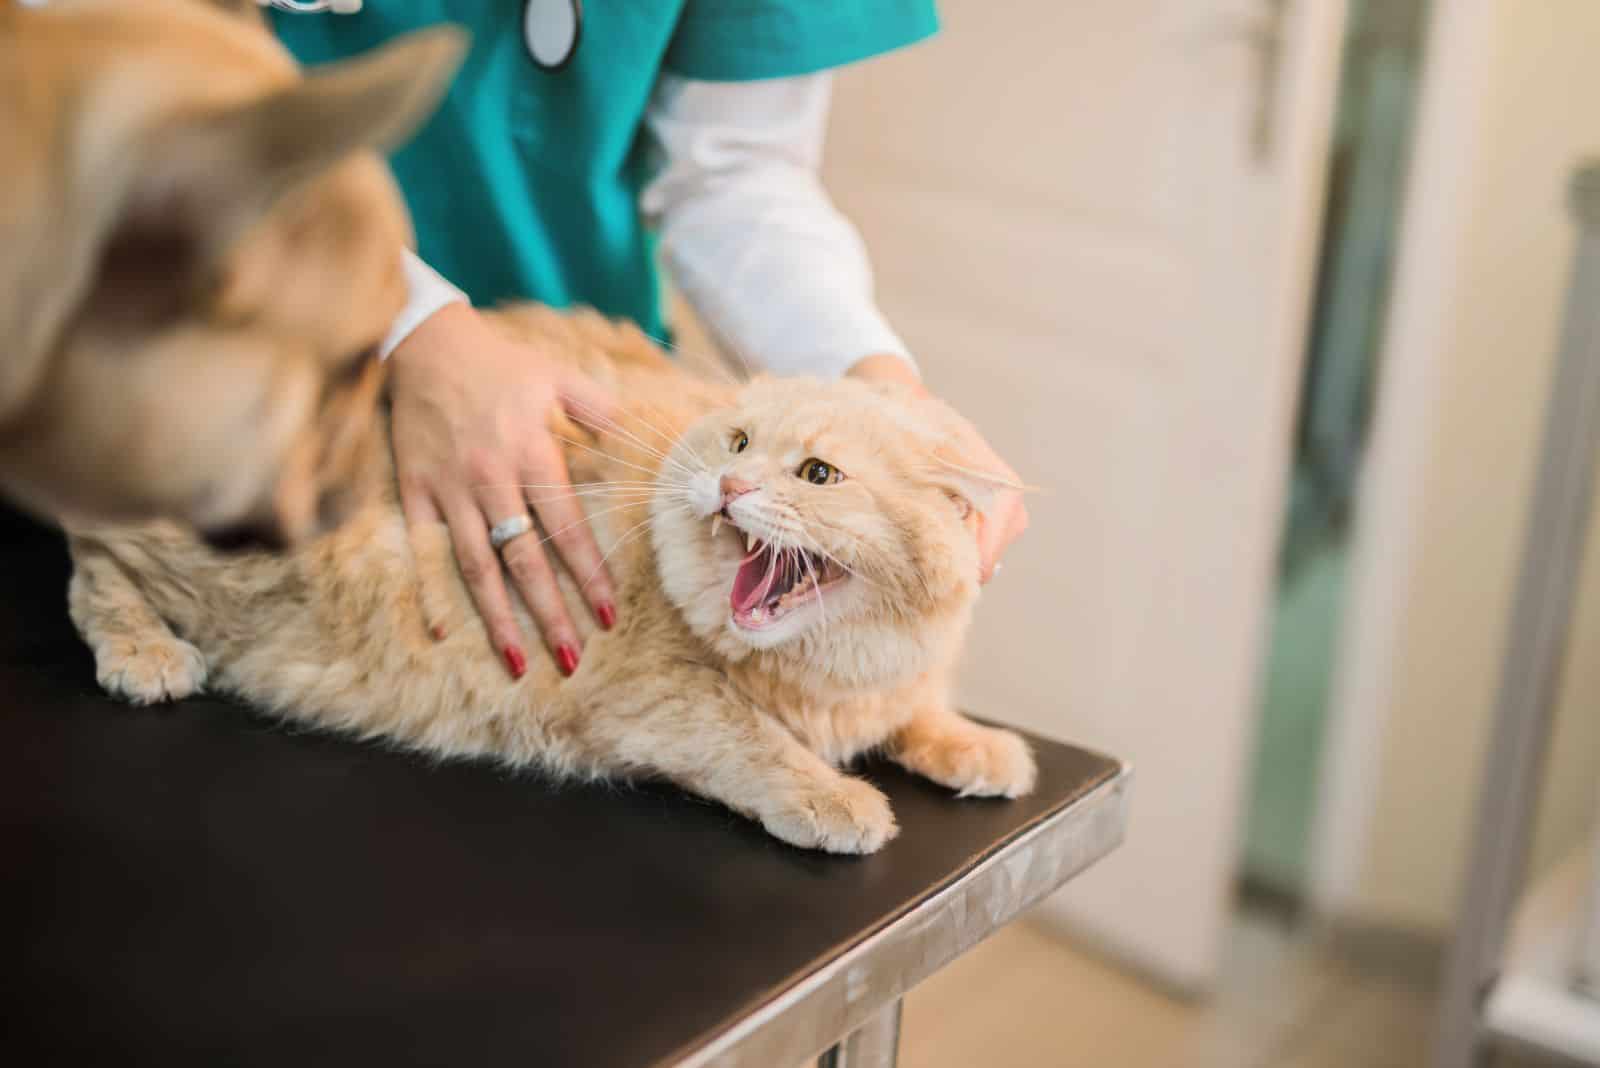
column 844, row 816
column 975, row 761
column 150, row 670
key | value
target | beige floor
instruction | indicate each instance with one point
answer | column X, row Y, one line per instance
column 1025, row 998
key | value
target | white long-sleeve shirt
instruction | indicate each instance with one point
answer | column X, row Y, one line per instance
column 748, row 233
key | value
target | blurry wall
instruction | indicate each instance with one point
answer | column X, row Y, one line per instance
column 1503, row 298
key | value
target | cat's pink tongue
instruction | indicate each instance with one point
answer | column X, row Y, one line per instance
column 754, row 579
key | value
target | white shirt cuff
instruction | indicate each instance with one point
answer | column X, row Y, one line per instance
column 429, row 293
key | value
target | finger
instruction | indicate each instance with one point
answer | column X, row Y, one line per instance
column 480, row 570
column 536, row 580
column 430, row 545
column 586, row 401
column 525, row 559
column 988, row 549
column 998, row 530
column 563, row 516
column 1019, row 522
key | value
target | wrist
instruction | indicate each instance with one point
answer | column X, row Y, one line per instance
column 885, row 367
column 446, row 328
column 429, row 294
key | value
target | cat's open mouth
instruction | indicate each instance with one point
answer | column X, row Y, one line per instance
column 771, row 582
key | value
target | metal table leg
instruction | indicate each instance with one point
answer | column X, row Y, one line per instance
column 875, row 1044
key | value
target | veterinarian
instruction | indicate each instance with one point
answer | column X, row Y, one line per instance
column 577, row 137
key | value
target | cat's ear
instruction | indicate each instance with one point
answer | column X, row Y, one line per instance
column 969, row 488
column 959, row 463
column 187, row 191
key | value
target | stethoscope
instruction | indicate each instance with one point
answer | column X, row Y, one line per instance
column 550, row 28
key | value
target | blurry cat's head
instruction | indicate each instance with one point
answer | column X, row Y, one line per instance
column 202, row 252
column 828, row 527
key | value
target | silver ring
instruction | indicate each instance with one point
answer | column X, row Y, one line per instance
column 507, row 529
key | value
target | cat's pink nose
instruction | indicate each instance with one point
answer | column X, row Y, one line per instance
column 734, row 487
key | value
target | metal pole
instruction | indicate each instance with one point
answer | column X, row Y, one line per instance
column 1551, row 556
column 1588, row 979
column 875, row 1044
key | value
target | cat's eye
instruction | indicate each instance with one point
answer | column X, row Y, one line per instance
column 819, row 472
column 740, row 441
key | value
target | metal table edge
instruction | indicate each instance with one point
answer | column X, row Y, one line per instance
column 823, row 1005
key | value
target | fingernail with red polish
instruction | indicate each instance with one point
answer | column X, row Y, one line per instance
column 567, row 656
column 516, row 662
column 607, row 613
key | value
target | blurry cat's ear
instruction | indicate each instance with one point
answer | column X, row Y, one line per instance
column 243, row 9
column 182, row 195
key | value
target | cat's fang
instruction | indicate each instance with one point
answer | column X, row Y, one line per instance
column 716, row 523
column 749, row 542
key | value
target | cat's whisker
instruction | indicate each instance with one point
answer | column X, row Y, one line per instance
column 831, row 558
column 563, row 485
column 631, row 497
column 822, row 609
column 676, row 443
column 767, row 578
column 587, row 518
column 735, row 271
column 988, row 476
column 856, row 573
column 585, row 491
column 617, row 545
column 605, row 422
column 670, row 440
column 637, row 494
column 712, row 360
column 687, row 505
column 606, row 455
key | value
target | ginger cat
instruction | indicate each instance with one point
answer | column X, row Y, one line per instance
column 796, row 568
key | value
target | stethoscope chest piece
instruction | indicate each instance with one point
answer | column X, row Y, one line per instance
column 550, row 29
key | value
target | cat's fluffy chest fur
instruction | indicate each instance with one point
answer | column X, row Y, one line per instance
column 751, row 707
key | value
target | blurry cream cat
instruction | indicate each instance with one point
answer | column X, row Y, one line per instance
column 796, row 565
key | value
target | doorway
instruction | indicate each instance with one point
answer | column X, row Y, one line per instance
column 1367, row 165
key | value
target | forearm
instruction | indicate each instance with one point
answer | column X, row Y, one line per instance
column 751, row 238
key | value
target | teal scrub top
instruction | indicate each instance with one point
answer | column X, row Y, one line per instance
column 525, row 184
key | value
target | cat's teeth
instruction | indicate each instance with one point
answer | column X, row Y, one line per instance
column 749, row 542
column 716, row 522
column 757, row 614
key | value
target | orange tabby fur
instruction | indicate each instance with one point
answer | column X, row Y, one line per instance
column 758, row 719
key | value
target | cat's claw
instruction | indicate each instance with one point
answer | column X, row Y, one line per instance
column 850, row 816
column 977, row 762
column 150, row 671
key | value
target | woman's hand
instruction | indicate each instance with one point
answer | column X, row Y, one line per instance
column 472, row 448
column 1007, row 516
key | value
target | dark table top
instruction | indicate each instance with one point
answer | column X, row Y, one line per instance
column 197, row 885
